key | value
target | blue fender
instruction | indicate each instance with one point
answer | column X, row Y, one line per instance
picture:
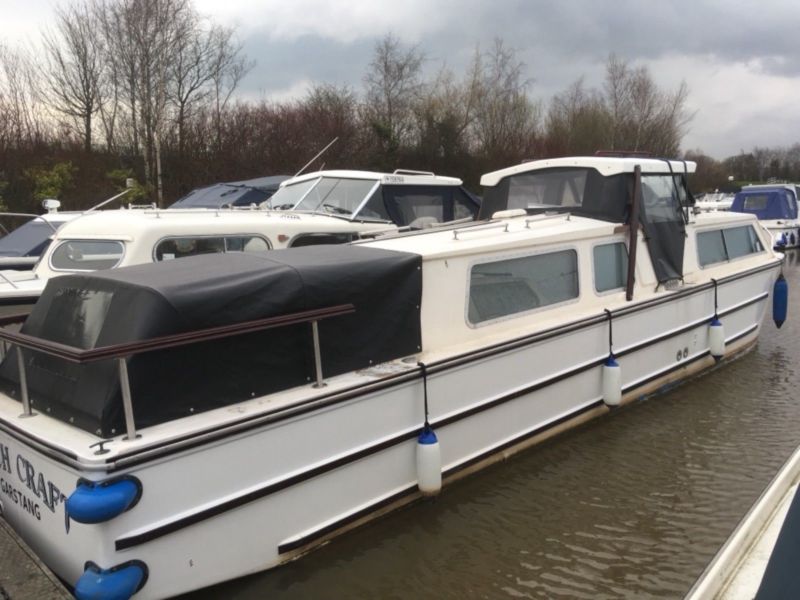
column 117, row 583
column 98, row 502
column 780, row 300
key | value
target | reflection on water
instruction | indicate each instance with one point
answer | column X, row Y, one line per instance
column 632, row 505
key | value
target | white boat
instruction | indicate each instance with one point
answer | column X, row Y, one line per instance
column 325, row 207
column 265, row 403
column 713, row 202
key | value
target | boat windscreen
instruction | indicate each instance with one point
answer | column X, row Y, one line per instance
column 29, row 239
column 336, row 196
column 578, row 190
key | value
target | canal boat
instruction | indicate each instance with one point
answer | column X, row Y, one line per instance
column 264, row 403
column 776, row 208
column 326, row 207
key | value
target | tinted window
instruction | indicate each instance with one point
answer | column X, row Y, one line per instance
column 463, row 206
column 755, row 202
column 87, row 255
column 179, row 247
column 316, row 239
column 710, row 247
column 740, row 241
column 517, row 285
column 726, row 244
column 564, row 187
column 29, row 239
column 610, row 266
column 375, row 208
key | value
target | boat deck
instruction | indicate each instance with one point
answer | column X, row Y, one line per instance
column 22, row 574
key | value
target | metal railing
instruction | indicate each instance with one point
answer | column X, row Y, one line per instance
column 122, row 352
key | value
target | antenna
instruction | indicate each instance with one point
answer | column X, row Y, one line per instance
column 104, row 202
column 317, row 155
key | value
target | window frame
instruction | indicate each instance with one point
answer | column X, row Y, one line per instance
column 87, row 240
column 224, row 236
column 517, row 255
column 725, row 245
column 616, row 290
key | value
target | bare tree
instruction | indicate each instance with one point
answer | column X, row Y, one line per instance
column 392, row 87
column 21, row 123
column 227, row 67
column 506, row 120
column 73, row 67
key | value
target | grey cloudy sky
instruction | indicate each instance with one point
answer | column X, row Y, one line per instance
column 740, row 59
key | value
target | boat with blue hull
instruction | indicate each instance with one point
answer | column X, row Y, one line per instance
column 266, row 403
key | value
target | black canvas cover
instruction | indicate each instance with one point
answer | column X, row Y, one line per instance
column 136, row 303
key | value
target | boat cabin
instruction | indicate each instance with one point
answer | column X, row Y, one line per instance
column 776, row 208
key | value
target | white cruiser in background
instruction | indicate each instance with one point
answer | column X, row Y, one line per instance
column 326, row 207
column 263, row 403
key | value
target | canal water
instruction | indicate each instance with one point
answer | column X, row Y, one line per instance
column 632, row 505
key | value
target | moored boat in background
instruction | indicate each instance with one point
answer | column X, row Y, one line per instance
column 322, row 386
column 776, row 208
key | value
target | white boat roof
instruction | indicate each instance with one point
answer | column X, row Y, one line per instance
column 399, row 177
column 606, row 165
column 128, row 224
column 519, row 232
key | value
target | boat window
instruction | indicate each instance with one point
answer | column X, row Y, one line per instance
column 463, row 206
column 288, row 196
column 375, row 208
column 517, row 285
column 29, row 239
column 316, row 239
column 753, row 202
column 180, row 247
column 547, row 189
column 740, row 241
column 336, row 196
column 86, row 255
column 610, row 266
column 661, row 203
column 720, row 245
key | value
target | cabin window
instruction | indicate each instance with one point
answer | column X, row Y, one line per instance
column 610, row 266
column 517, row 285
column 559, row 188
column 755, row 202
column 726, row 244
column 179, row 247
column 317, row 239
column 87, row 255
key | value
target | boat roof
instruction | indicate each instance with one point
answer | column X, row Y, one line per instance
column 518, row 232
column 606, row 165
column 235, row 193
column 398, row 177
column 128, row 224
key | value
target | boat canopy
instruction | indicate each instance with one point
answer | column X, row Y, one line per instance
column 234, row 193
column 602, row 188
column 766, row 204
column 125, row 305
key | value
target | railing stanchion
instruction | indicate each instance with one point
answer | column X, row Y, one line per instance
column 23, row 384
column 317, row 355
column 127, row 403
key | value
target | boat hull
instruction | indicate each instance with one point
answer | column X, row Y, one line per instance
column 275, row 485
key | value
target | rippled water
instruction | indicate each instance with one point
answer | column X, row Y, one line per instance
column 632, row 505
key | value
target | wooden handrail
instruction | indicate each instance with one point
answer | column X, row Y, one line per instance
column 82, row 356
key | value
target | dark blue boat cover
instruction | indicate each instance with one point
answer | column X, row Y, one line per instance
column 233, row 193
column 777, row 203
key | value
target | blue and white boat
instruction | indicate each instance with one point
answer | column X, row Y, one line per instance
column 776, row 208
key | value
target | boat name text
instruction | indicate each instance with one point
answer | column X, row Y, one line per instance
column 44, row 489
